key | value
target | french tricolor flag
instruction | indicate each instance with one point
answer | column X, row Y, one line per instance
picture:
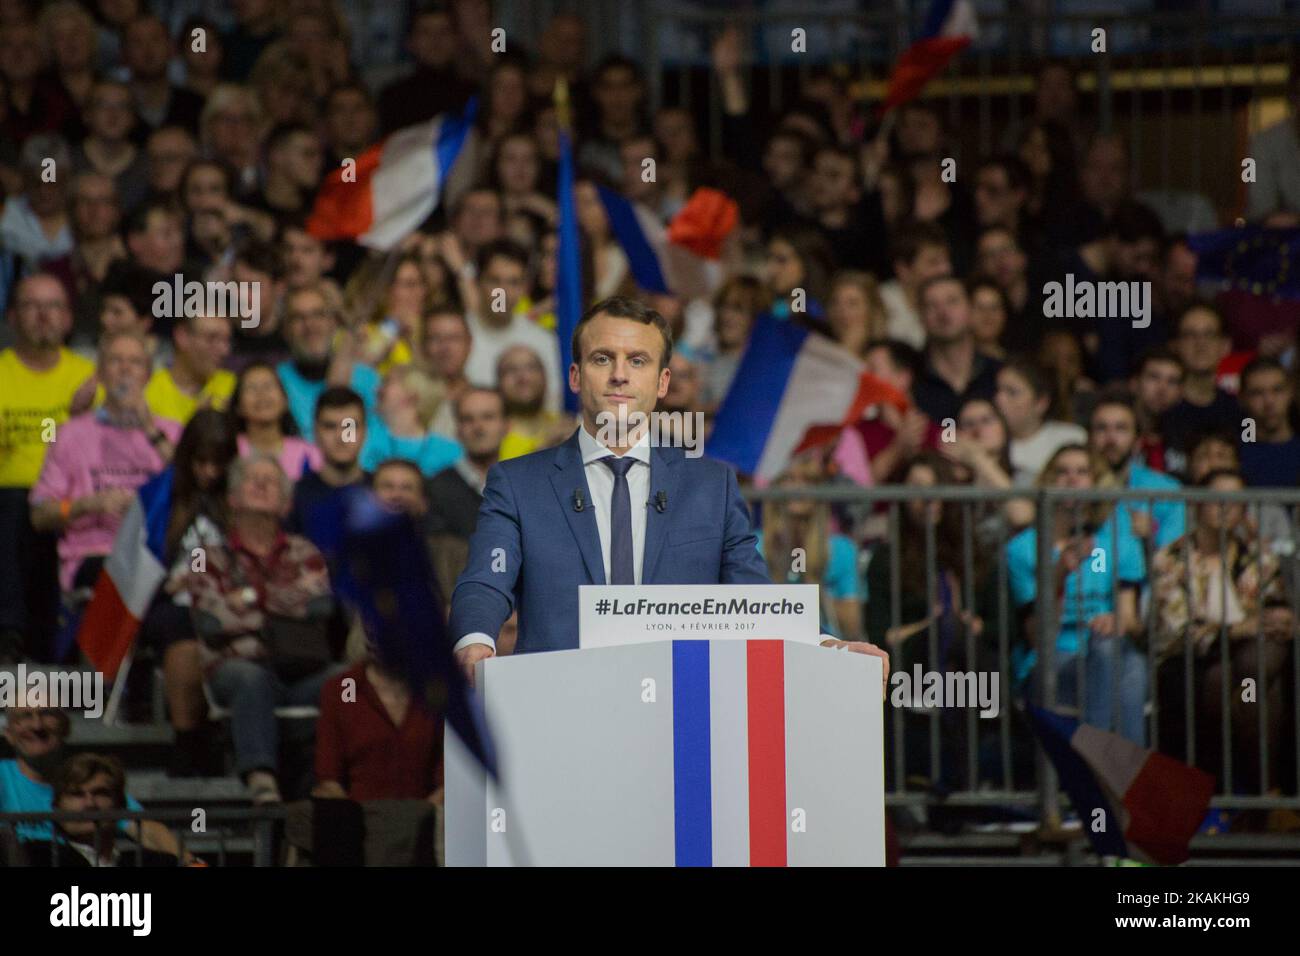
column 132, row 574
column 398, row 183
column 675, row 258
column 790, row 380
column 949, row 28
column 1150, row 804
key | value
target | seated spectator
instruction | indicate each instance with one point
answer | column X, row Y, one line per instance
column 393, row 334
column 35, row 226
column 1112, row 435
column 890, row 436
column 1094, row 603
column 521, row 380
column 855, row 312
column 1061, row 356
column 918, row 252
column 1157, row 387
column 498, row 321
column 736, row 306
column 400, row 487
column 311, row 328
column 799, row 547
column 259, row 411
column 446, row 350
column 851, row 222
column 92, row 782
column 797, row 272
column 988, row 315
column 261, row 608
column 259, row 264
column 100, row 459
column 455, row 493
column 915, row 611
column 110, row 118
column 1002, row 258
column 1201, row 340
column 1219, row 583
column 1024, row 398
column 981, row 453
column 1276, row 151
column 376, row 741
column 37, row 736
column 340, row 432
column 954, row 369
column 41, row 383
column 1214, row 449
column 203, row 455
column 408, row 401
column 1271, row 458
column 195, row 377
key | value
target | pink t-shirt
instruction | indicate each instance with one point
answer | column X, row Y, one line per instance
column 295, row 455
column 89, row 455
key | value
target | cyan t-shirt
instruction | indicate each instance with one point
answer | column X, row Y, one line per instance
column 1089, row 591
column 304, row 392
column 1168, row 518
column 431, row 452
column 20, row 794
column 841, row 581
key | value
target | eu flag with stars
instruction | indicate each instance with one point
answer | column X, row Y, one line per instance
column 1253, row 259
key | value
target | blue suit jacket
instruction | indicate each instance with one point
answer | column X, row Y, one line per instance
column 547, row 549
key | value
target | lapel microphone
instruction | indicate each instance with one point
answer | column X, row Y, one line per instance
column 578, row 503
column 661, row 501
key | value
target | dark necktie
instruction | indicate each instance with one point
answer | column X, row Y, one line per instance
column 621, row 567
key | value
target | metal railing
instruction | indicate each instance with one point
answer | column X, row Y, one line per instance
column 967, row 763
column 226, row 831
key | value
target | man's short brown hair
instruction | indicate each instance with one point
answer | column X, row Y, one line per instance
column 624, row 307
column 80, row 769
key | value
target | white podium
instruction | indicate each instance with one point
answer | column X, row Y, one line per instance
column 680, row 752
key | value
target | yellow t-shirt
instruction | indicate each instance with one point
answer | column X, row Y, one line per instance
column 29, row 402
column 400, row 354
column 166, row 400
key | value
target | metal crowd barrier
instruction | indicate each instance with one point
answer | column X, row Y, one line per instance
column 969, row 763
column 246, row 831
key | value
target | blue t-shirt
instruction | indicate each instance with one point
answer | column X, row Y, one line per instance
column 1088, row 592
column 1271, row 464
column 841, row 579
column 1168, row 518
column 20, row 794
column 303, row 393
column 432, row 452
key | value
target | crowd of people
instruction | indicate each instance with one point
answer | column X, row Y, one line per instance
column 413, row 371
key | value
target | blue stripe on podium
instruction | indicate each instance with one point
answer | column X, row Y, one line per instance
column 692, row 786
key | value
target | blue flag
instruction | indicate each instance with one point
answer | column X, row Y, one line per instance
column 384, row 572
column 1253, row 259
column 568, row 275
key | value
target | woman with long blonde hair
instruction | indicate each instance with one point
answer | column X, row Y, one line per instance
column 855, row 311
column 800, row 547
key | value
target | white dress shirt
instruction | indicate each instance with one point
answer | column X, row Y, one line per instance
column 600, row 482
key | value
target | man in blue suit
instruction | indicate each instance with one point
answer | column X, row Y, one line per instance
column 588, row 513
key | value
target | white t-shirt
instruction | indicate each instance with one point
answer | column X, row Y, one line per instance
column 1029, row 455
column 489, row 342
column 902, row 321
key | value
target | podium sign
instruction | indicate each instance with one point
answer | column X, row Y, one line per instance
column 613, row 615
column 683, row 752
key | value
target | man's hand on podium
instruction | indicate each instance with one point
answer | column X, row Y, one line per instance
column 471, row 654
column 862, row 647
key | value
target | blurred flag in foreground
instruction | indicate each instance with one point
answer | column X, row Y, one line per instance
column 398, row 183
column 386, row 575
column 1151, row 804
column 568, row 271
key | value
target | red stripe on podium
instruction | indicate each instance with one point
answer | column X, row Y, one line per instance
column 765, row 672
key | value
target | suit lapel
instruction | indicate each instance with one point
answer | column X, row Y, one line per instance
column 665, row 472
column 569, row 476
